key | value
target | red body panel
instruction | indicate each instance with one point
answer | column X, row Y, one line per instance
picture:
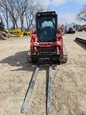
column 57, row 45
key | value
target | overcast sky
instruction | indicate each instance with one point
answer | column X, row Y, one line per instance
column 66, row 9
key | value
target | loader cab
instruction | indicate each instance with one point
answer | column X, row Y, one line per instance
column 46, row 26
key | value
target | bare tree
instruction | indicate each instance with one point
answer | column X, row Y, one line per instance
column 82, row 14
column 4, row 11
column 9, row 8
column 32, row 9
column 19, row 10
column 6, row 16
column 21, row 6
column 13, row 13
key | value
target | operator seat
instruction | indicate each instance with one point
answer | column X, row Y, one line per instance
column 47, row 34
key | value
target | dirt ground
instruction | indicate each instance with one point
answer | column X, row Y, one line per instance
column 68, row 80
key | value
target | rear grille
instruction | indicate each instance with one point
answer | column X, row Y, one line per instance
column 46, row 50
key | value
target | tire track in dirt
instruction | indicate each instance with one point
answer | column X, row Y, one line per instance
column 38, row 98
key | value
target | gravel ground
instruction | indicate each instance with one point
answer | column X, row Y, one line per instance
column 68, row 80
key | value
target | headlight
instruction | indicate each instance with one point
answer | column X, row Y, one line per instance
column 36, row 44
column 58, row 43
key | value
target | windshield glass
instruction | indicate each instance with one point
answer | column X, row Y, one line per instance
column 46, row 29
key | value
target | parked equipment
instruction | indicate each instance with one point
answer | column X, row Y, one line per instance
column 46, row 45
column 3, row 33
column 81, row 28
column 83, row 40
column 70, row 28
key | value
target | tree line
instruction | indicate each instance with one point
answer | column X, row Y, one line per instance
column 16, row 11
column 81, row 15
column 23, row 11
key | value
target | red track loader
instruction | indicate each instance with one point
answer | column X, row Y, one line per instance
column 46, row 44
